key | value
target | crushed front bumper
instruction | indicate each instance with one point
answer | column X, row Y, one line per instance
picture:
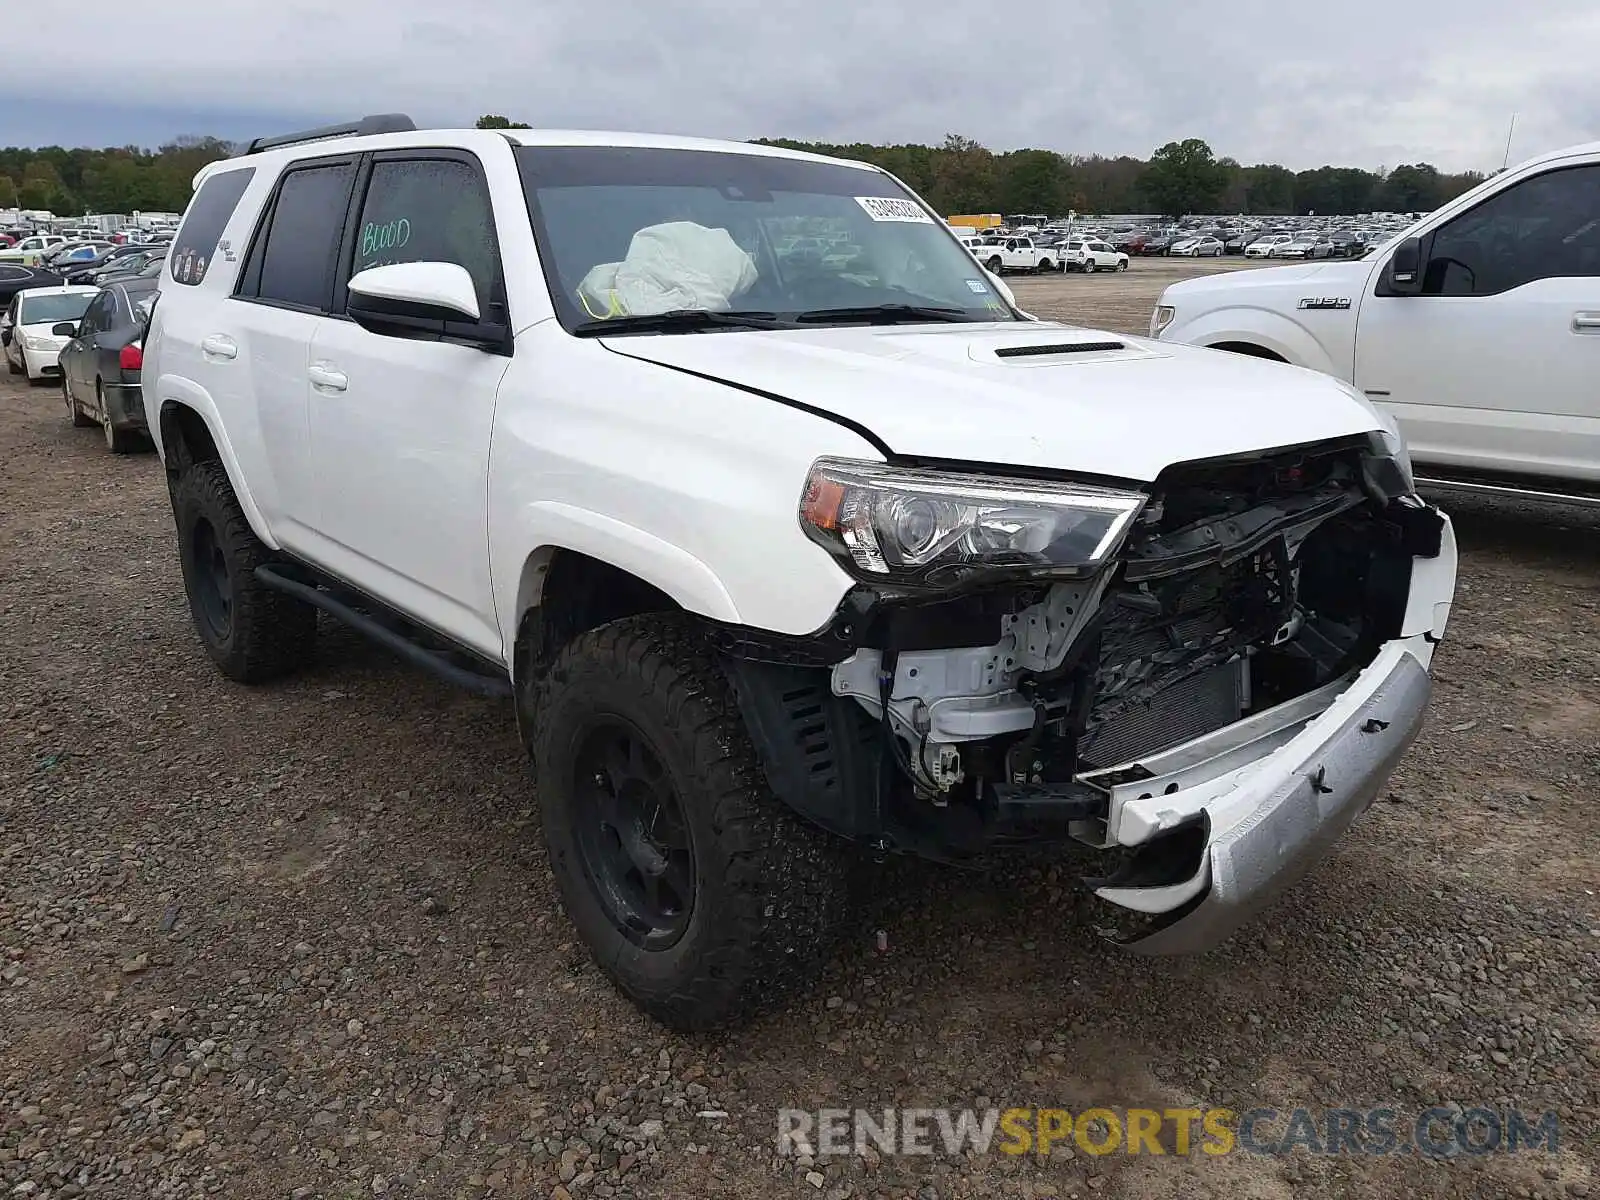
column 1221, row 825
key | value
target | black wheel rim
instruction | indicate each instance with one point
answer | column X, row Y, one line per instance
column 631, row 834
column 213, row 588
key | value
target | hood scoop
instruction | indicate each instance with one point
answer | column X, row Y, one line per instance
column 1057, row 348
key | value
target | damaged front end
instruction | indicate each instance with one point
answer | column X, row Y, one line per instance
column 1207, row 679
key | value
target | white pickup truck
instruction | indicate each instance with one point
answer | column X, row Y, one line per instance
column 1021, row 253
column 1478, row 328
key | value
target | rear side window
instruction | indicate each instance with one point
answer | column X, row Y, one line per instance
column 207, row 217
column 293, row 256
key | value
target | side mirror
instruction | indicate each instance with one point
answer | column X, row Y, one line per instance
column 434, row 301
column 1405, row 267
column 64, row 329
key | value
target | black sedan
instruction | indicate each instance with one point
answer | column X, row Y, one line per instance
column 100, row 366
column 14, row 278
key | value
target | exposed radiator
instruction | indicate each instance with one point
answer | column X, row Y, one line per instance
column 1185, row 710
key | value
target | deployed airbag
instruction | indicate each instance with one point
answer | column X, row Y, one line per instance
column 671, row 266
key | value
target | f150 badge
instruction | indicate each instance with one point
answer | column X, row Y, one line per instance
column 1325, row 302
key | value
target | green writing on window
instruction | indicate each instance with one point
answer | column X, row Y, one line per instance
column 390, row 235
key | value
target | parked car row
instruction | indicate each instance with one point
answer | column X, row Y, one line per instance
column 90, row 339
column 1038, row 254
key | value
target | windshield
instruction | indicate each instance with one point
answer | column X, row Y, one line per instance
column 48, row 310
column 636, row 232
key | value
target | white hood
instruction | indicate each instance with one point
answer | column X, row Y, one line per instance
column 1349, row 271
column 942, row 392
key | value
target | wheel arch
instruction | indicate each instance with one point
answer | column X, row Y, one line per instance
column 188, row 431
column 562, row 592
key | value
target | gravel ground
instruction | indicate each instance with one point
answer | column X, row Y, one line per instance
column 301, row 941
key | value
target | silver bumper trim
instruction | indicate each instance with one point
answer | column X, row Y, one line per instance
column 1311, row 806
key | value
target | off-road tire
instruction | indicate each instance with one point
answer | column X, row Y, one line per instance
column 771, row 894
column 80, row 419
column 268, row 634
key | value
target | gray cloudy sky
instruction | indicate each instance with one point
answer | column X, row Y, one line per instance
column 1362, row 82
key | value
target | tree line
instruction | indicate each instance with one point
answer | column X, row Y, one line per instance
column 957, row 176
column 961, row 176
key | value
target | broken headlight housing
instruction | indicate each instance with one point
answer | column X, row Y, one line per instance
column 939, row 529
column 1387, row 464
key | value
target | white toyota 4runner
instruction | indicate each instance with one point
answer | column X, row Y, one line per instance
column 1478, row 328
column 789, row 561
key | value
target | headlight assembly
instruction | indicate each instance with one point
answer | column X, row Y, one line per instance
column 1388, row 464
column 938, row 529
column 38, row 343
column 1161, row 318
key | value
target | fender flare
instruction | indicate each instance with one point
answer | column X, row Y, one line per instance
column 1286, row 338
column 558, row 526
column 173, row 389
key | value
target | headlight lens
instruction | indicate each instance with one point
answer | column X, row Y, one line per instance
column 938, row 529
column 38, row 343
column 1161, row 318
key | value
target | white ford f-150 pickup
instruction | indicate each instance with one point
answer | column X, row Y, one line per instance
column 1478, row 328
column 788, row 560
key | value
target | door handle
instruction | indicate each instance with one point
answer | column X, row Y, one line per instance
column 1586, row 322
column 326, row 378
column 217, row 345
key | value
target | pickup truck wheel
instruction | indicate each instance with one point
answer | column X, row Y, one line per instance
column 994, row 264
column 696, row 891
column 252, row 632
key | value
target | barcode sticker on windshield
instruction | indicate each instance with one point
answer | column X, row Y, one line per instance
column 885, row 208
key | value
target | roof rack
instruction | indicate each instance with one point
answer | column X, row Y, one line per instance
column 376, row 123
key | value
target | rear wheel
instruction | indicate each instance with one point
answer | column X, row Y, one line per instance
column 1090, row 266
column 698, row 893
column 1044, row 265
column 79, row 420
column 993, row 265
column 251, row 632
column 118, row 441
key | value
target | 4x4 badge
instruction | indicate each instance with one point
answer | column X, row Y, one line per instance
column 1325, row 302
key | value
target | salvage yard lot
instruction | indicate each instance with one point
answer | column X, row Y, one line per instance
column 302, row 940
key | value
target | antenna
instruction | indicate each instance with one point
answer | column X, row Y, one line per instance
column 1506, row 161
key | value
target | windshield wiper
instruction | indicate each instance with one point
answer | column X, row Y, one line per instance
column 885, row 314
column 678, row 320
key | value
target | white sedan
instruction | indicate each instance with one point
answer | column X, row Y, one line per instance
column 1263, row 247
column 1089, row 255
column 1197, row 247
column 27, row 330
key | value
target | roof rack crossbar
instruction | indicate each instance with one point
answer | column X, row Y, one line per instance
column 376, row 123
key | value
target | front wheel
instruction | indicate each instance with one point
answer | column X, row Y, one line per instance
column 993, row 265
column 697, row 892
column 251, row 632
column 1122, row 264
